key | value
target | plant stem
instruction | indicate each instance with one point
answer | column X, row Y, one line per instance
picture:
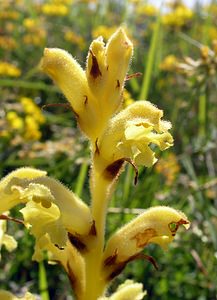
column 95, row 284
column 43, row 286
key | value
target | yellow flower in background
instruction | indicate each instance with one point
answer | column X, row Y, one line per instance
column 169, row 63
column 54, row 9
column 15, row 121
column 36, row 39
column 32, row 130
column 30, row 23
column 104, row 31
column 74, row 38
column 32, row 109
column 178, row 17
column 32, row 120
column 8, row 69
column 127, row 98
column 147, row 10
column 67, row 2
column 9, row 15
column 27, row 122
column 7, row 42
column 169, row 167
column 212, row 31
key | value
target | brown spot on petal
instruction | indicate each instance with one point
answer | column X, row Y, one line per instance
column 93, row 229
column 113, row 169
column 60, row 248
column 111, row 259
column 119, row 268
column 76, row 242
column 95, row 71
column 118, row 84
column 96, row 147
column 86, row 100
column 142, row 238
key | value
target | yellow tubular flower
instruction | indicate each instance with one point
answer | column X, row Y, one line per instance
column 156, row 225
column 95, row 95
column 29, row 185
column 8, row 198
column 129, row 136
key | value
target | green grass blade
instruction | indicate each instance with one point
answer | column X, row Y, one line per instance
column 81, row 178
column 28, row 85
column 150, row 59
column 43, row 286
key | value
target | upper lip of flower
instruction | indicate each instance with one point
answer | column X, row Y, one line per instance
column 94, row 94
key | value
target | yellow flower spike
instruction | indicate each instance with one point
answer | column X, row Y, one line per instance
column 106, row 70
column 97, row 94
column 156, row 225
column 96, row 68
column 119, row 49
column 129, row 290
column 129, row 136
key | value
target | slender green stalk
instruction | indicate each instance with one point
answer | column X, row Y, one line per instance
column 202, row 115
column 95, row 285
column 43, row 286
column 81, row 178
column 28, row 85
column 127, row 183
column 150, row 60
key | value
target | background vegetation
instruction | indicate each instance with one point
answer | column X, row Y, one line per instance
column 176, row 52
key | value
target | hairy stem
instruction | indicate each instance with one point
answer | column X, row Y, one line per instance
column 95, row 284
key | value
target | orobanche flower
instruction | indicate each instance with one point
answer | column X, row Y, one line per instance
column 156, row 225
column 129, row 135
column 95, row 94
column 71, row 232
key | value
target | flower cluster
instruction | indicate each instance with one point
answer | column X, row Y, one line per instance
column 8, row 69
column 26, row 123
column 73, row 233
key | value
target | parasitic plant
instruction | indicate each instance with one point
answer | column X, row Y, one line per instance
column 72, row 233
